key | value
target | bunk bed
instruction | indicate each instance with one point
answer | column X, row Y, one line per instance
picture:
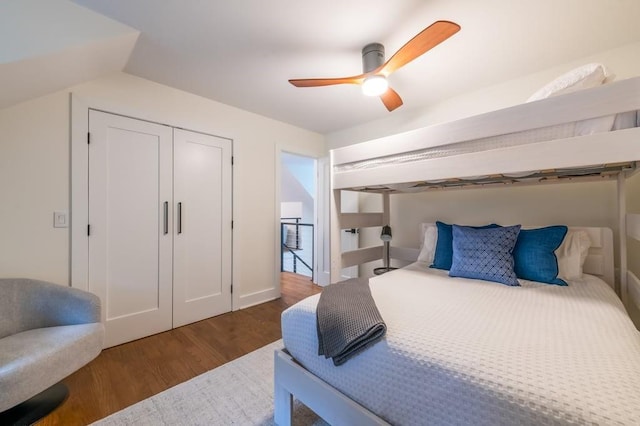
column 592, row 134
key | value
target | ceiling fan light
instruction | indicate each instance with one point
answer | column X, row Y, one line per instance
column 375, row 85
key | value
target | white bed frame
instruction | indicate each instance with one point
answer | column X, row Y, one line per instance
column 620, row 148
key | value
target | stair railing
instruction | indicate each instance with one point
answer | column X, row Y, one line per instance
column 297, row 244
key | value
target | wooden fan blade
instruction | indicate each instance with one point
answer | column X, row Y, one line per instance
column 315, row 82
column 391, row 99
column 427, row 39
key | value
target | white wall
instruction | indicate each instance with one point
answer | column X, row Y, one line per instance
column 34, row 175
column 34, row 181
column 298, row 184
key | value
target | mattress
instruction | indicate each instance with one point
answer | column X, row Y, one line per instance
column 462, row 351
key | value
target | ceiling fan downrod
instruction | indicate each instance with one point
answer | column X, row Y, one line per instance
column 372, row 57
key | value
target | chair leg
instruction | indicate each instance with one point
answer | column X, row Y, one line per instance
column 34, row 409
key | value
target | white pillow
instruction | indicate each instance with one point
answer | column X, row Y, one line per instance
column 572, row 253
column 583, row 77
column 428, row 249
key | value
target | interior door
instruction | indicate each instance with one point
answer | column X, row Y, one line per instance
column 202, row 231
column 130, row 247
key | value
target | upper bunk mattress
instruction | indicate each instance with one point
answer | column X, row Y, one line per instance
column 462, row 351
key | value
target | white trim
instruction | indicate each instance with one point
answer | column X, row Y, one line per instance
column 79, row 262
column 332, row 405
column 323, row 231
column 258, row 297
column 277, row 210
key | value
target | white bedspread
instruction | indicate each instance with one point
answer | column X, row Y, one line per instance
column 460, row 351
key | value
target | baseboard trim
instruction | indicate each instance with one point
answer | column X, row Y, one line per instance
column 252, row 299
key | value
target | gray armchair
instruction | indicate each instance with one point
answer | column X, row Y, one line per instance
column 47, row 331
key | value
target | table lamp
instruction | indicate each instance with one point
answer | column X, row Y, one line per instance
column 385, row 236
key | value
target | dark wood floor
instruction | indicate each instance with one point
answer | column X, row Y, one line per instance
column 125, row 374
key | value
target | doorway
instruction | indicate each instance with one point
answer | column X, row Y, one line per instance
column 298, row 215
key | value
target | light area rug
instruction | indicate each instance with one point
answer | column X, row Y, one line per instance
column 239, row 392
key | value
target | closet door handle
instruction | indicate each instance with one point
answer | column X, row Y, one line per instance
column 179, row 218
column 166, row 217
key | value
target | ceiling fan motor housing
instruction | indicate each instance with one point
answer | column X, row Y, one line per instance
column 372, row 57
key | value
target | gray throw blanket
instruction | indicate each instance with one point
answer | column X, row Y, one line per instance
column 348, row 320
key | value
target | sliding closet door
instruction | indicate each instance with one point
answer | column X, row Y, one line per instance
column 130, row 240
column 202, row 230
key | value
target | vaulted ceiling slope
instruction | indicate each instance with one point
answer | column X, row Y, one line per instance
column 242, row 52
column 48, row 45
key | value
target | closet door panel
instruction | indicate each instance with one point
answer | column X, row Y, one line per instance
column 129, row 253
column 202, row 229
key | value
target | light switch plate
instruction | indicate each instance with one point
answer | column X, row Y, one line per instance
column 60, row 219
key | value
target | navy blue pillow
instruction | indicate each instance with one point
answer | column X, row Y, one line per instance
column 444, row 246
column 485, row 254
column 534, row 254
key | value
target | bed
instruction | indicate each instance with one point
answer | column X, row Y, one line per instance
column 463, row 351
column 538, row 354
column 535, row 143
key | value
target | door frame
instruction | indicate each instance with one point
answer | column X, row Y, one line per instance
column 323, row 255
column 79, row 181
column 318, row 215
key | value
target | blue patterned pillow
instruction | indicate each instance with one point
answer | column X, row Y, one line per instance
column 485, row 254
column 444, row 245
column 534, row 254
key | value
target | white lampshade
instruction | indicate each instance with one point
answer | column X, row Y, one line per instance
column 375, row 85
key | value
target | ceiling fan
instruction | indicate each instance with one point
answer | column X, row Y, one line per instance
column 375, row 71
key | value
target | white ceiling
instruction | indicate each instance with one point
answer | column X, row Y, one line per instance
column 242, row 52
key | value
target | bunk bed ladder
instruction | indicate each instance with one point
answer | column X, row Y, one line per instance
column 341, row 221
